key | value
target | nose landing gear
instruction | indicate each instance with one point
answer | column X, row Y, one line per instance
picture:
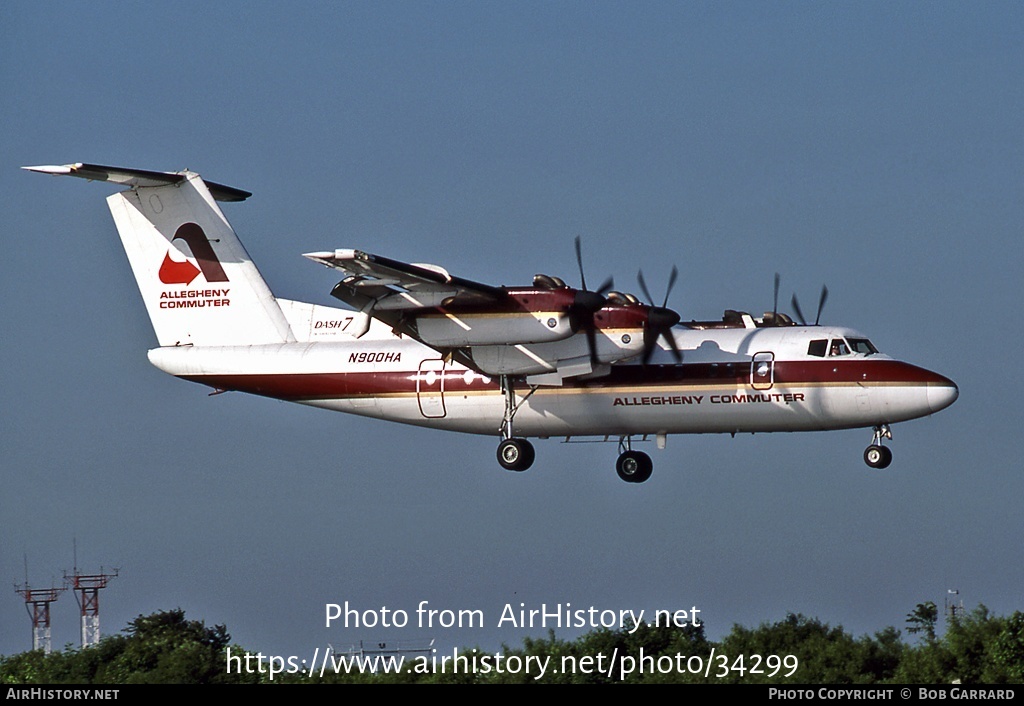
column 876, row 455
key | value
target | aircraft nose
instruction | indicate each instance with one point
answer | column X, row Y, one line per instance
column 942, row 395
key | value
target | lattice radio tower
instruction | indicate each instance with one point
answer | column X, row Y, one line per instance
column 87, row 593
column 39, row 599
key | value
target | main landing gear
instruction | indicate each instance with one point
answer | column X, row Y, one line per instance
column 876, row 455
column 514, row 454
column 632, row 466
column 517, row 454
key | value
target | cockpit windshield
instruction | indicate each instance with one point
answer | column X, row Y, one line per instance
column 840, row 346
column 862, row 345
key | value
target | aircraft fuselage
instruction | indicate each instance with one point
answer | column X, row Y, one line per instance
column 729, row 381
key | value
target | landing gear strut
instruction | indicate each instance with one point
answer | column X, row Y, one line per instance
column 632, row 466
column 514, row 454
column 876, row 455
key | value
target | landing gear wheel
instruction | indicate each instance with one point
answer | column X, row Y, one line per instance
column 515, row 454
column 634, row 466
column 878, row 456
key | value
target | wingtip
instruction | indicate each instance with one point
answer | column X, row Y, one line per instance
column 340, row 254
column 55, row 169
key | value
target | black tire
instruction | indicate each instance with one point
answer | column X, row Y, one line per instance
column 634, row 466
column 515, row 454
column 878, row 456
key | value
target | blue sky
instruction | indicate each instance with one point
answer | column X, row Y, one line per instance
column 876, row 147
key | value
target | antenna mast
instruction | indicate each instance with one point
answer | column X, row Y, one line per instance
column 39, row 599
column 87, row 593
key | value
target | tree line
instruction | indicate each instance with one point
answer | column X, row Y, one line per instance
column 976, row 647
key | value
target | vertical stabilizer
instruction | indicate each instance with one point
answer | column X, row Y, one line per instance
column 197, row 281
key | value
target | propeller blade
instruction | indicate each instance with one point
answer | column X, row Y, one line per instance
column 579, row 262
column 775, row 306
column 605, row 287
column 643, row 286
column 650, row 343
column 592, row 345
column 799, row 314
column 671, row 283
column 672, row 345
column 821, row 303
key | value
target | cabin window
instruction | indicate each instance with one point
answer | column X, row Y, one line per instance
column 862, row 345
column 838, row 347
column 817, row 348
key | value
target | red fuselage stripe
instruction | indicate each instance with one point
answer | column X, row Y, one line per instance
column 341, row 385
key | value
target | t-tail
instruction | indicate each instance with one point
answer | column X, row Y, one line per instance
column 197, row 281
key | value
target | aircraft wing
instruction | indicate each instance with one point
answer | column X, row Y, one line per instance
column 495, row 330
column 392, row 285
column 392, row 291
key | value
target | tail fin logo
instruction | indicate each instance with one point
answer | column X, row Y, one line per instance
column 174, row 272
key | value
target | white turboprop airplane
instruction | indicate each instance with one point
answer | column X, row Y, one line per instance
column 423, row 347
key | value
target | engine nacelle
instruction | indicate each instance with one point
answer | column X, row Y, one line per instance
column 462, row 329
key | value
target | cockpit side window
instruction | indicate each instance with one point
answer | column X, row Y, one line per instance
column 817, row 348
column 838, row 347
column 862, row 345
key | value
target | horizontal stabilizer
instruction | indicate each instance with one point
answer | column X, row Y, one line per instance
column 136, row 178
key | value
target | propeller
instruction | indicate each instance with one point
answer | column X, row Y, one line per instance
column 660, row 319
column 821, row 305
column 585, row 304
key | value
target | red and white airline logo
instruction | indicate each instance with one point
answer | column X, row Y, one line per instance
column 175, row 272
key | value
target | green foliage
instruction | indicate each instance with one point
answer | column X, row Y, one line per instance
column 1008, row 650
column 827, row 655
column 976, row 648
column 162, row 648
column 923, row 619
